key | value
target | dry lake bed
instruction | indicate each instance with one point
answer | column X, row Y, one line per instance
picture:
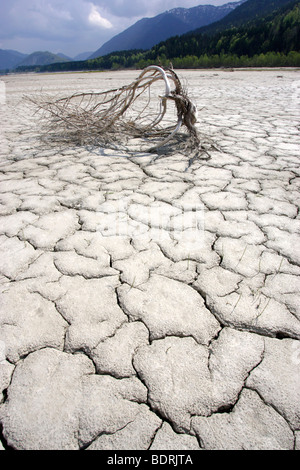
column 144, row 304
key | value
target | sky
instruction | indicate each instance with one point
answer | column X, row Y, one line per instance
column 75, row 26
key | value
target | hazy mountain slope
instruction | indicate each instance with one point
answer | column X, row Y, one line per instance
column 42, row 58
column 267, row 41
column 64, row 56
column 10, row 59
column 83, row 55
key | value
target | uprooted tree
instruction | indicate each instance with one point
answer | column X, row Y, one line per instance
column 118, row 115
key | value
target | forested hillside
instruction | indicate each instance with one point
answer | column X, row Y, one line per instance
column 246, row 13
column 270, row 41
column 147, row 32
column 279, row 32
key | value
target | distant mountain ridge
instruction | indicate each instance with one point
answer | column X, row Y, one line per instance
column 42, row 58
column 257, row 33
column 147, row 32
column 83, row 55
column 9, row 59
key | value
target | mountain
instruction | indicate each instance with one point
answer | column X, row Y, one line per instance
column 9, row 59
column 248, row 11
column 42, row 58
column 83, row 55
column 147, row 32
column 64, row 56
column 271, row 40
column 278, row 32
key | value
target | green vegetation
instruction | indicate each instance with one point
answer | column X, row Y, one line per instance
column 272, row 41
column 270, row 59
column 249, row 11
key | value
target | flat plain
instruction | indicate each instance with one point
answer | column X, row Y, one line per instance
column 146, row 304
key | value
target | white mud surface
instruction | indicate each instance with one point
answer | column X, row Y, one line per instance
column 144, row 306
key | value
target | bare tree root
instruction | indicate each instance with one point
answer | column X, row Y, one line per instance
column 119, row 116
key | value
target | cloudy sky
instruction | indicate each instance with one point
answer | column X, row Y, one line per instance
column 75, row 26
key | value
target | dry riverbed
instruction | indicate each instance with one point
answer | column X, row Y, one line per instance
column 145, row 305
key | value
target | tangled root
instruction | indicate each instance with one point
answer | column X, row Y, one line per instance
column 118, row 116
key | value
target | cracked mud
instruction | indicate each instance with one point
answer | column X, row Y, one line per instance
column 145, row 305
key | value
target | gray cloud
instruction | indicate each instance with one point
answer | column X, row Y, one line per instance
column 129, row 8
column 74, row 26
